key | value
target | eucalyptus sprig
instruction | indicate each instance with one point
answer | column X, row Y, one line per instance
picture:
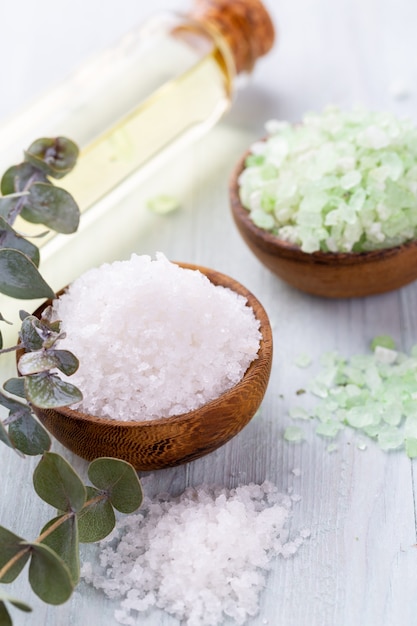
column 85, row 514
column 29, row 193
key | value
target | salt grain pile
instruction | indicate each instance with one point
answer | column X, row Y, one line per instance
column 202, row 557
column 153, row 339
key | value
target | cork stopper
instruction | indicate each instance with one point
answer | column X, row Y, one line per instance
column 245, row 25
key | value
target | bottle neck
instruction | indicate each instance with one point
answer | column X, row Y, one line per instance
column 243, row 27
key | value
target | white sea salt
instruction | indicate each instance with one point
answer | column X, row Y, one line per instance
column 201, row 557
column 153, row 339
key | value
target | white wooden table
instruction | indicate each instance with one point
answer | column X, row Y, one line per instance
column 360, row 565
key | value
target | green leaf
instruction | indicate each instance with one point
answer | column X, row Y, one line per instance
column 29, row 337
column 55, row 156
column 8, row 206
column 119, row 480
column 16, row 386
column 5, row 619
column 96, row 519
column 63, row 540
column 17, row 177
column 9, row 238
column 22, row 606
column 57, row 483
column 44, row 360
column 66, row 361
column 10, row 546
column 29, row 436
column 20, row 278
column 49, row 577
column 47, row 391
column 52, row 206
column 4, row 436
column 14, row 406
column 36, row 362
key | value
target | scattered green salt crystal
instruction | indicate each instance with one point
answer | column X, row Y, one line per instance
column 328, row 429
column 411, row 447
column 386, row 341
column 298, row 413
column 349, row 178
column 390, row 438
column 293, row 434
column 375, row 394
column 385, row 355
column 318, row 388
column 359, row 417
column 303, row 360
column 163, row 204
column 361, row 445
column 332, row 447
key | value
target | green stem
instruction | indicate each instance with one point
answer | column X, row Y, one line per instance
column 54, row 526
column 13, row 561
column 45, row 534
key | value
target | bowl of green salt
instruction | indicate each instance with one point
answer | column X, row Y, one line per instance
column 174, row 361
column 330, row 205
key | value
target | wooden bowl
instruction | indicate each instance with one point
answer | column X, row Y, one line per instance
column 166, row 442
column 328, row 274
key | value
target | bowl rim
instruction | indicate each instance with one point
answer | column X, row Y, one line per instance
column 264, row 357
column 272, row 243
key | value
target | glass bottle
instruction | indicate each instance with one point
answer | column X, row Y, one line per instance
column 163, row 85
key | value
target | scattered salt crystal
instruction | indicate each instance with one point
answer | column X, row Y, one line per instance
column 373, row 393
column 153, row 339
column 163, row 204
column 186, row 556
column 296, row 471
column 294, row 434
column 303, row 360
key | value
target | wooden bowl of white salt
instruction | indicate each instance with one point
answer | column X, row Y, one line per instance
column 168, row 440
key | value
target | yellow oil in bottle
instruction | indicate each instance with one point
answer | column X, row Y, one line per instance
column 131, row 109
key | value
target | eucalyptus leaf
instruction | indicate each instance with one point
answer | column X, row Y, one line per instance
column 36, row 362
column 20, row 278
column 63, row 540
column 52, row 206
column 5, row 619
column 49, row 577
column 9, row 238
column 4, row 436
column 47, row 391
column 119, row 480
column 66, row 361
column 8, row 207
column 14, row 406
column 16, row 386
column 10, row 546
column 28, row 334
column 29, row 436
column 57, row 483
column 18, row 177
column 96, row 519
column 44, row 360
column 54, row 156
column 4, row 597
